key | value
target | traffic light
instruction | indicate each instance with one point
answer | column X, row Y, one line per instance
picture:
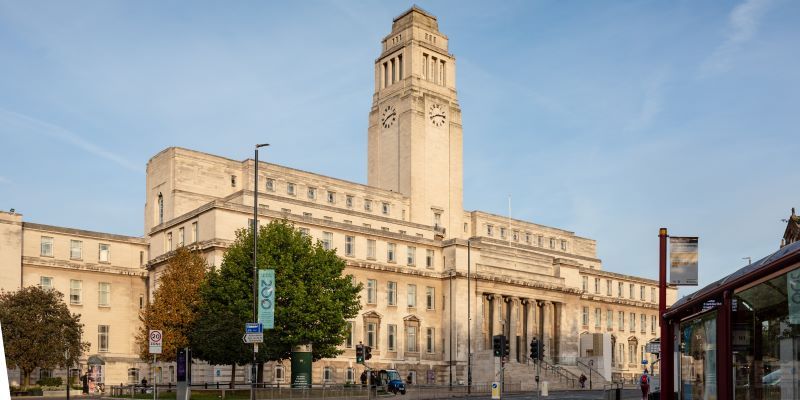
column 541, row 350
column 498, row 345
column 535, row 349
column 359, row 354
column 367, row 352
column 506, row 347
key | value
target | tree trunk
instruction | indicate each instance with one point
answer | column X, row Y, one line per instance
column 233, row 375
column 26, row 378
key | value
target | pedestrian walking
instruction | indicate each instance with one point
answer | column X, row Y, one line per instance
column 582, row 381
column 364, row 378
column 644, row 384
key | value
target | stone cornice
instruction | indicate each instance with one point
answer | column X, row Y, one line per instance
column 92, row 267
column 84, row 233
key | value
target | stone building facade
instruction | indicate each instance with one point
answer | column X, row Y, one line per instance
column 434, row 274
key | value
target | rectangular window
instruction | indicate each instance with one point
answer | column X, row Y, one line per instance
column 270, row 185
column 391, row 293
column 194, row 232
column 643, row 323
column 620, row 285
column 371, row 342
column 552, row 243
column 515, row 236
column 327, row 240
column 632, row 291
column 349, row 245
column 412, row 296
column 75, row 249
column 370, row 249
column 641, row 293
column 312, row 193
column 598, row 317
column 585, row 283
column 180, row 237
column 331, row 197
column 103, row 294
column 141, row 258
column 411, row 339
column 391, row 337
column 75, row 291
column 390, row 251
column 46, row 282
column 633, row 322
column 563, row 245
column 290, row 188
column 608, row 287
column 385, row 208
column 540, row 240
column 429, row 258
column 102, row 338
column 411, row 255
column 305, row 231
column 430, row 297
column 348, row 340
column 621, row 319
column 502, row 232
column 609, row 319
column 527, row 238
column 597, row 285
column 105, row 252
column 653, row 295
column 585, row 319
column 489, row 230
column 348, row 201
column 233, row 180
column 368, row 205
column 372, row 287
column 169, row 241
column 653, row 324
column 429, row 340
column 47, row 246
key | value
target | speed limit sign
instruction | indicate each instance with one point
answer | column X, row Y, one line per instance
column 156, row 340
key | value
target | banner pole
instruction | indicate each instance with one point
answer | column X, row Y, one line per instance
column 666, row 355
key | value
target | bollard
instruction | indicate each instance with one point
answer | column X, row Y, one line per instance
column 618, row 393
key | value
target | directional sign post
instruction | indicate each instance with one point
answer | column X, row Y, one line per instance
column 253, row 328
column 253, row 338
column 156, row 341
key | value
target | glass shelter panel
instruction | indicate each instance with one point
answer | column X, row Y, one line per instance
column 765, row 339
column 698, row 358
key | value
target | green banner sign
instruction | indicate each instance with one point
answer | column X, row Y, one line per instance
column 266, row 298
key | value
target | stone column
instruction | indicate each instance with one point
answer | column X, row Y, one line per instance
column 513, row 326
column 557, row 324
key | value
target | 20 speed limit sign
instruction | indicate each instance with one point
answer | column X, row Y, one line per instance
column 156, row 340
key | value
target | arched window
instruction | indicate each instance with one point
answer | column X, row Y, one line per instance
column 160, row 209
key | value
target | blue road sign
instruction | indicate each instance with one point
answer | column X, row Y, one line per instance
column 253, row 328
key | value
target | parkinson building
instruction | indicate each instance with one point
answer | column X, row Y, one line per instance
column 439, row 281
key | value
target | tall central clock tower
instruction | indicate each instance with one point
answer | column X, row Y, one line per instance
column 415, row 136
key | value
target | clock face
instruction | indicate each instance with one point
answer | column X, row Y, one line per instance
column 436, row 115
column 388, row 116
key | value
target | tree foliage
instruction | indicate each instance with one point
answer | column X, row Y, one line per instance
column 313, row 299
column 38, row 330
column 174, row 304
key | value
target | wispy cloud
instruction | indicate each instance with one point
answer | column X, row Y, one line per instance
column 652, row 99
column 36, row 126
column 743, row 23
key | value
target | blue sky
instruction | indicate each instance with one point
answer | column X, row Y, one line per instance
column 609, row 119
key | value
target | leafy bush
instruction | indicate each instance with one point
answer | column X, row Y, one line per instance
column 53, row 381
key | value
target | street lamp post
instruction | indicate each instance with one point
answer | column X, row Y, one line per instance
column 469, row 321
column 254, row 369
column 66, row 357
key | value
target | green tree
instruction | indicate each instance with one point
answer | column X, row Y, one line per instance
column 313, row 299
column 38, row 330
column 174, row 305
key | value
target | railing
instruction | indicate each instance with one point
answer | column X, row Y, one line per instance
column 590, row 369
column 563, row 374
column 339, row 392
